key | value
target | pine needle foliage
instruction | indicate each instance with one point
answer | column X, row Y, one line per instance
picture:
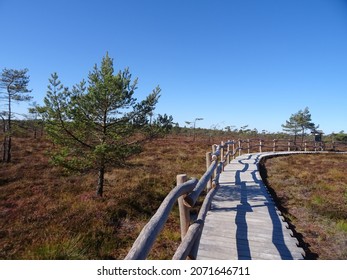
column 99, row 123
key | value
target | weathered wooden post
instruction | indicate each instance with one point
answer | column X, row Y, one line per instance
column 288, row 145
column 305, row 145
column 274, row 145
column 222, row 152
column 240, row 147
column 213, row 148
column 228, row 152
column 234, row 149
column 214, row 157
column 183, row 208
column 248, row 146
column 208, row 163
column 260, row 145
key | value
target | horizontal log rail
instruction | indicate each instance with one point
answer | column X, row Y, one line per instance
column 149, row 233
column 261, row 145
column 190, row 242
column 187, row 192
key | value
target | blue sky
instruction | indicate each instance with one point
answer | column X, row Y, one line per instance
column 230, row 62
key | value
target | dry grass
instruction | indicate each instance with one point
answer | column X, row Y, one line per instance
column 46, row 214
column 312, row 192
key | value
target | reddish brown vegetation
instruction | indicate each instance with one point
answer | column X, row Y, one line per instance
column 48, row 214
column 312, row 192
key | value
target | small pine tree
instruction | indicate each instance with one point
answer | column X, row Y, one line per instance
column 100, row 123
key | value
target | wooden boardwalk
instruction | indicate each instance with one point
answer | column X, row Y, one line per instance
column 243, row 222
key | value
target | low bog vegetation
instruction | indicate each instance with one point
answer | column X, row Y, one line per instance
column 48, row 214
column 311, row 190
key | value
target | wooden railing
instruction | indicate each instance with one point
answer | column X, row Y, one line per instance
column 187, row 192
column 260, row 145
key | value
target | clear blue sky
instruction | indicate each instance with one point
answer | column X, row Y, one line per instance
column 231, row 62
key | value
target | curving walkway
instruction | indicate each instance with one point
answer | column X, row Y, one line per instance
column 243, row 222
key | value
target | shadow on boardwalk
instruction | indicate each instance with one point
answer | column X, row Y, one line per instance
column 244, row 214
column 244, row 207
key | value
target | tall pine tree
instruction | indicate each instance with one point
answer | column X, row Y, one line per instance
column 13, row 88
column 299, row 122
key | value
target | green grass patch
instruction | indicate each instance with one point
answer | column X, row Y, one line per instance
column 342, row 225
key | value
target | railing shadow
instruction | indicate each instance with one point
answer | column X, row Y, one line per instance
column 243, row 248
column 247, row 193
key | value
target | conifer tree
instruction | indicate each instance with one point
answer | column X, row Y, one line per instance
column 299, row 122
column 99, row 123
column 13, row 88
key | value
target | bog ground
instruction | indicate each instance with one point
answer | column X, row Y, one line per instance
column 46, row 213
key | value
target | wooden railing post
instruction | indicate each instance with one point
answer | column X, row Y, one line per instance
column 305, row 146
column 240, row 147
column 208, row 163
column 260, row 145
column 274, row 145
column 222, row 152
column 228, row 152
column 183, row 208
column 213, row 149
column 288, row 146
column 234, row 150
column 248, row 146
column 214, row 157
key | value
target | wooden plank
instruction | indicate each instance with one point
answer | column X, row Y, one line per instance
column 253, row 241
column 250, row 235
